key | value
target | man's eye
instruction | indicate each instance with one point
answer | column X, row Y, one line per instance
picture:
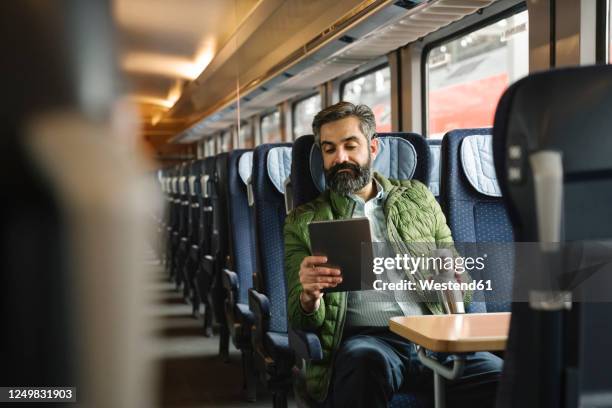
column 350, row 147
column 328, row 151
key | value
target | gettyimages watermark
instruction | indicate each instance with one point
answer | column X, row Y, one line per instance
column 489, row 272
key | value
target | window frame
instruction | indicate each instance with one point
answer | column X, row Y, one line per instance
column 437, row 40
column 220, row 138
column 294, row 104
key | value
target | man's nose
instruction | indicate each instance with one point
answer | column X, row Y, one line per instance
column 340, row 157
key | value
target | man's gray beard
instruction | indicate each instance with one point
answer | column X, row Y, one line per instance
column 347, row 182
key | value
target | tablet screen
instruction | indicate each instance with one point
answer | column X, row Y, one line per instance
column 347, row 244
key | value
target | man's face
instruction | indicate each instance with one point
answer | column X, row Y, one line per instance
column 347, row 155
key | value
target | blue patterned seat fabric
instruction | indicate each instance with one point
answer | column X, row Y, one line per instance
column 471, row 200
column 241, row 225
column 271, row 166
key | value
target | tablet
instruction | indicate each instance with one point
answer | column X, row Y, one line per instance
column 347, row 244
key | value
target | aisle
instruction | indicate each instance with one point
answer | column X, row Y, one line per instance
column 190, row 372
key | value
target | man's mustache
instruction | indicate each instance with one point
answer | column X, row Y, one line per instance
column 343, row 166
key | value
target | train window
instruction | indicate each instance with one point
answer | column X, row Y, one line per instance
column 246, row 139
column 211, row 146
column 467, row 75
column 225, row 141
column 303, row 114
column 201, row 150
column 372, row 89
column 270, row 128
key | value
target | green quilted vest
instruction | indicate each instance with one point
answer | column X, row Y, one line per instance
column 413, row 215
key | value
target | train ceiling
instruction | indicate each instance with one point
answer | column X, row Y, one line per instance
column 187, row 61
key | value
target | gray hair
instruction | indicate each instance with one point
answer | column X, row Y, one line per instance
column 341, row 110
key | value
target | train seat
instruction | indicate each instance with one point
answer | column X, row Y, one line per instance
column 182, row 239
column 274, row 359
column 401, row 156
column 167, row 205
column 471, row 199
column 205, row 271
column 191, row 264
column 219, row 248
column 552, row 147
column 238, row 276
column 173, row 231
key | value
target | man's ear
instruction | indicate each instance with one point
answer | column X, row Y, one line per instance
column 374, row 147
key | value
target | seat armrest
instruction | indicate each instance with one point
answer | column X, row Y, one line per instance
column 230, row 280
column 244, row 315
column 260, row 306
column 306, row 345
column 208, row 265
column 230, row 284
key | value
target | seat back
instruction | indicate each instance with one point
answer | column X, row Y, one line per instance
column 220, row 222
column 206, row 209
column 241, row 230
column 471, row 198
column 271, row 167
column 174, row 197
column 184, row 196
column 401, row 156
column 194, row 199
column 554, row 356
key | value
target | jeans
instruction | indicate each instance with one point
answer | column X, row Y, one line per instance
column 370, row 368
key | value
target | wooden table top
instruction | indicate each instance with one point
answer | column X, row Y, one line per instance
column 455, row 333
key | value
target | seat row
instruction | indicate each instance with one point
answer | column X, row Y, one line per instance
column 224, row 242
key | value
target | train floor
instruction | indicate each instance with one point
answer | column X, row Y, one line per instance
column 190, row 372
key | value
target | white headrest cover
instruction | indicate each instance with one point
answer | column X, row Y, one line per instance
column 245, row 166
column 279, row 166
column 477, row 162
column 182, row 180
column 192, row 180
column 434, row 169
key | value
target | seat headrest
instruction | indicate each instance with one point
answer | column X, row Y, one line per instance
column 396, row 159
column 476, row 157
column 245, row 166
column 434, row 170
column 279, row 166
column 182, row 180
column 192, row 180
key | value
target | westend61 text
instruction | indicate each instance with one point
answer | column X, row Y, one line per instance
column 431, row 285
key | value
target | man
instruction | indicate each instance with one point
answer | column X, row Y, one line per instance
column 364, row 364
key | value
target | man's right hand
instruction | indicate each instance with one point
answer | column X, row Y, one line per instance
column 315, row 278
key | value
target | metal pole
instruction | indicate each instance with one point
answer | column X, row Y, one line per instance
column 439, row 391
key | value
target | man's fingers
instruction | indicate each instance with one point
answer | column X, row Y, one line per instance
column 311, row 261
column 322, row 279
column 321, row 271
